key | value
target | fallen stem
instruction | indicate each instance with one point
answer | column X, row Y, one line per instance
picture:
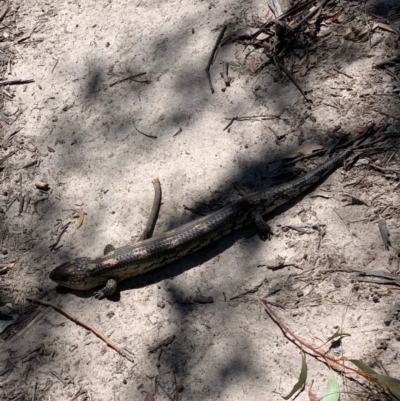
column 303, row 344
column 211, row 60
column 88, row 326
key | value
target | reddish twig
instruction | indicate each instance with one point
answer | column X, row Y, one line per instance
column 88, row 326
column 303, row 344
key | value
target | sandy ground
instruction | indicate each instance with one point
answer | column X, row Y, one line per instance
column 85, row 136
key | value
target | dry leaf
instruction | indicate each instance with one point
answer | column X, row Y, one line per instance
column 386, row 212
column 324, row 32
column 292, row 61
column 383, row 229
column 269, row 15
column 349, row 35
column 363, row 34
column 303, row 70
column 262, row 36
column 26, row 35
column 245, row 31
column 356, row 35
column 302, row 59
column 242, row 32
column 148, row 397
column 360, row 130
column 7, row 268
column 312, row 396
column 3, row 12
column 252, row 64
column 304, row 150
column 312, row 59
column 81, row 217
column 335, row 17
column 254, row 61
column 386, row 27
column 234, row 64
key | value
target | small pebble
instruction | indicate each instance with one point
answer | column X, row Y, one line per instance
column 381, row 343
column 44, row 186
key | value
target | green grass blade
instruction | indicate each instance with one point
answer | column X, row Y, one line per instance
column 391, row 384
column 302, row 378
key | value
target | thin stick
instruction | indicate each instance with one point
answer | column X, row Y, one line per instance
column 309, row 15
column 87, row 326
column 386, row 114
column 225, row 74
column 283, row 327
column 16, row 81
column 340, row 217
column 132, row 77
column 54, row 66
column 3, row 12
column 230, row 123
column 7, row 156
column 261, row 117
column 249, row 118
column 288, row 13
column 40, row 315
column 155, row 210
column 343, row 73
column 52, row 246
column 34, row 391
column 294, row 80
column 211, row 60
column 162, row 388
column 389, row 61
column 140, row 132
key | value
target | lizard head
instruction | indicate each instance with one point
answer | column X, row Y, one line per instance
column 78, row 274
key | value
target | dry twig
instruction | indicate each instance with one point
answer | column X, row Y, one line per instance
column 87, row 326
column 16, row 81
column 142, row 133
column 211, row 60
column 132, row 78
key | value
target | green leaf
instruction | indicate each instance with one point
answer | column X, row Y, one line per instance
column 336, row 335
column 302, row 378
column 389, row 383
column 332, row 392
column 394, row 397
column 364, row 367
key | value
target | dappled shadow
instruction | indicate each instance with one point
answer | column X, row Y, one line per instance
column 382, row 8
column 119, row 147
